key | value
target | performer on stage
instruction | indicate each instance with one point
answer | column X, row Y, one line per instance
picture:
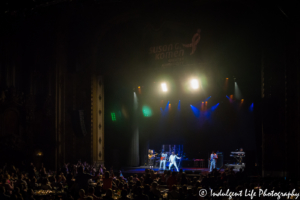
column 163, row 159
column 150, row 158
column 213, row 160
column 172, row 160
column 241, row 156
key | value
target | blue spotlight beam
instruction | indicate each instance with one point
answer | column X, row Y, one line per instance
column 214, row 107
column 165, row 111
column 230, row 100
column 196, row 111
column 167, row 107
column 251, row 107
column 178, row 107
column 207, row 98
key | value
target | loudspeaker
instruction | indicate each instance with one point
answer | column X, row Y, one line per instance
column 78, row 122
column 219, row 163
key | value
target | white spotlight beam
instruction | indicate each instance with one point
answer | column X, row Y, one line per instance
column 164, row 87
column 194, row 84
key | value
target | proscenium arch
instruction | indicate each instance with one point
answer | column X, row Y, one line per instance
column 102, row 32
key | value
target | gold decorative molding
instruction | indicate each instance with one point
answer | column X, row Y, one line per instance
column 97, row 107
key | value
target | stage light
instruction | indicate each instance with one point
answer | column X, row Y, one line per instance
column 135, row 101
column 196, row 111
column 147, row 112
column 226, row 85
column 139, row 87
column 113, row 116
column 215, row 107
column 242, row 100
column 237, row 93
column 194, row 84
column 207, row 98
column 251, row 107
column 164, row 87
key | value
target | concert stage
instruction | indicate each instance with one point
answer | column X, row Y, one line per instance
column 188, row 171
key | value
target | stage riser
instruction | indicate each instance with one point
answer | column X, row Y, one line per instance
column 235, row 167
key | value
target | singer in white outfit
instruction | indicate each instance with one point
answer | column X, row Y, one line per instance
column 163, row 159
column 172, row 160
column 213, row 161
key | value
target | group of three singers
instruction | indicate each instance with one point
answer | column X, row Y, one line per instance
column 163, row 159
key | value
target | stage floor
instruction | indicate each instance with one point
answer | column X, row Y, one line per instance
column 188, row 171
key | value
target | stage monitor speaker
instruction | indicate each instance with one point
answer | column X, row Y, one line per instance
column 78, row 122
column 219, row 163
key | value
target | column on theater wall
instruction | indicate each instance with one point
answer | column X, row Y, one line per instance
column 97, row 118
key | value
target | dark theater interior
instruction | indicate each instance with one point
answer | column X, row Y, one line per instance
column 127, row 99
